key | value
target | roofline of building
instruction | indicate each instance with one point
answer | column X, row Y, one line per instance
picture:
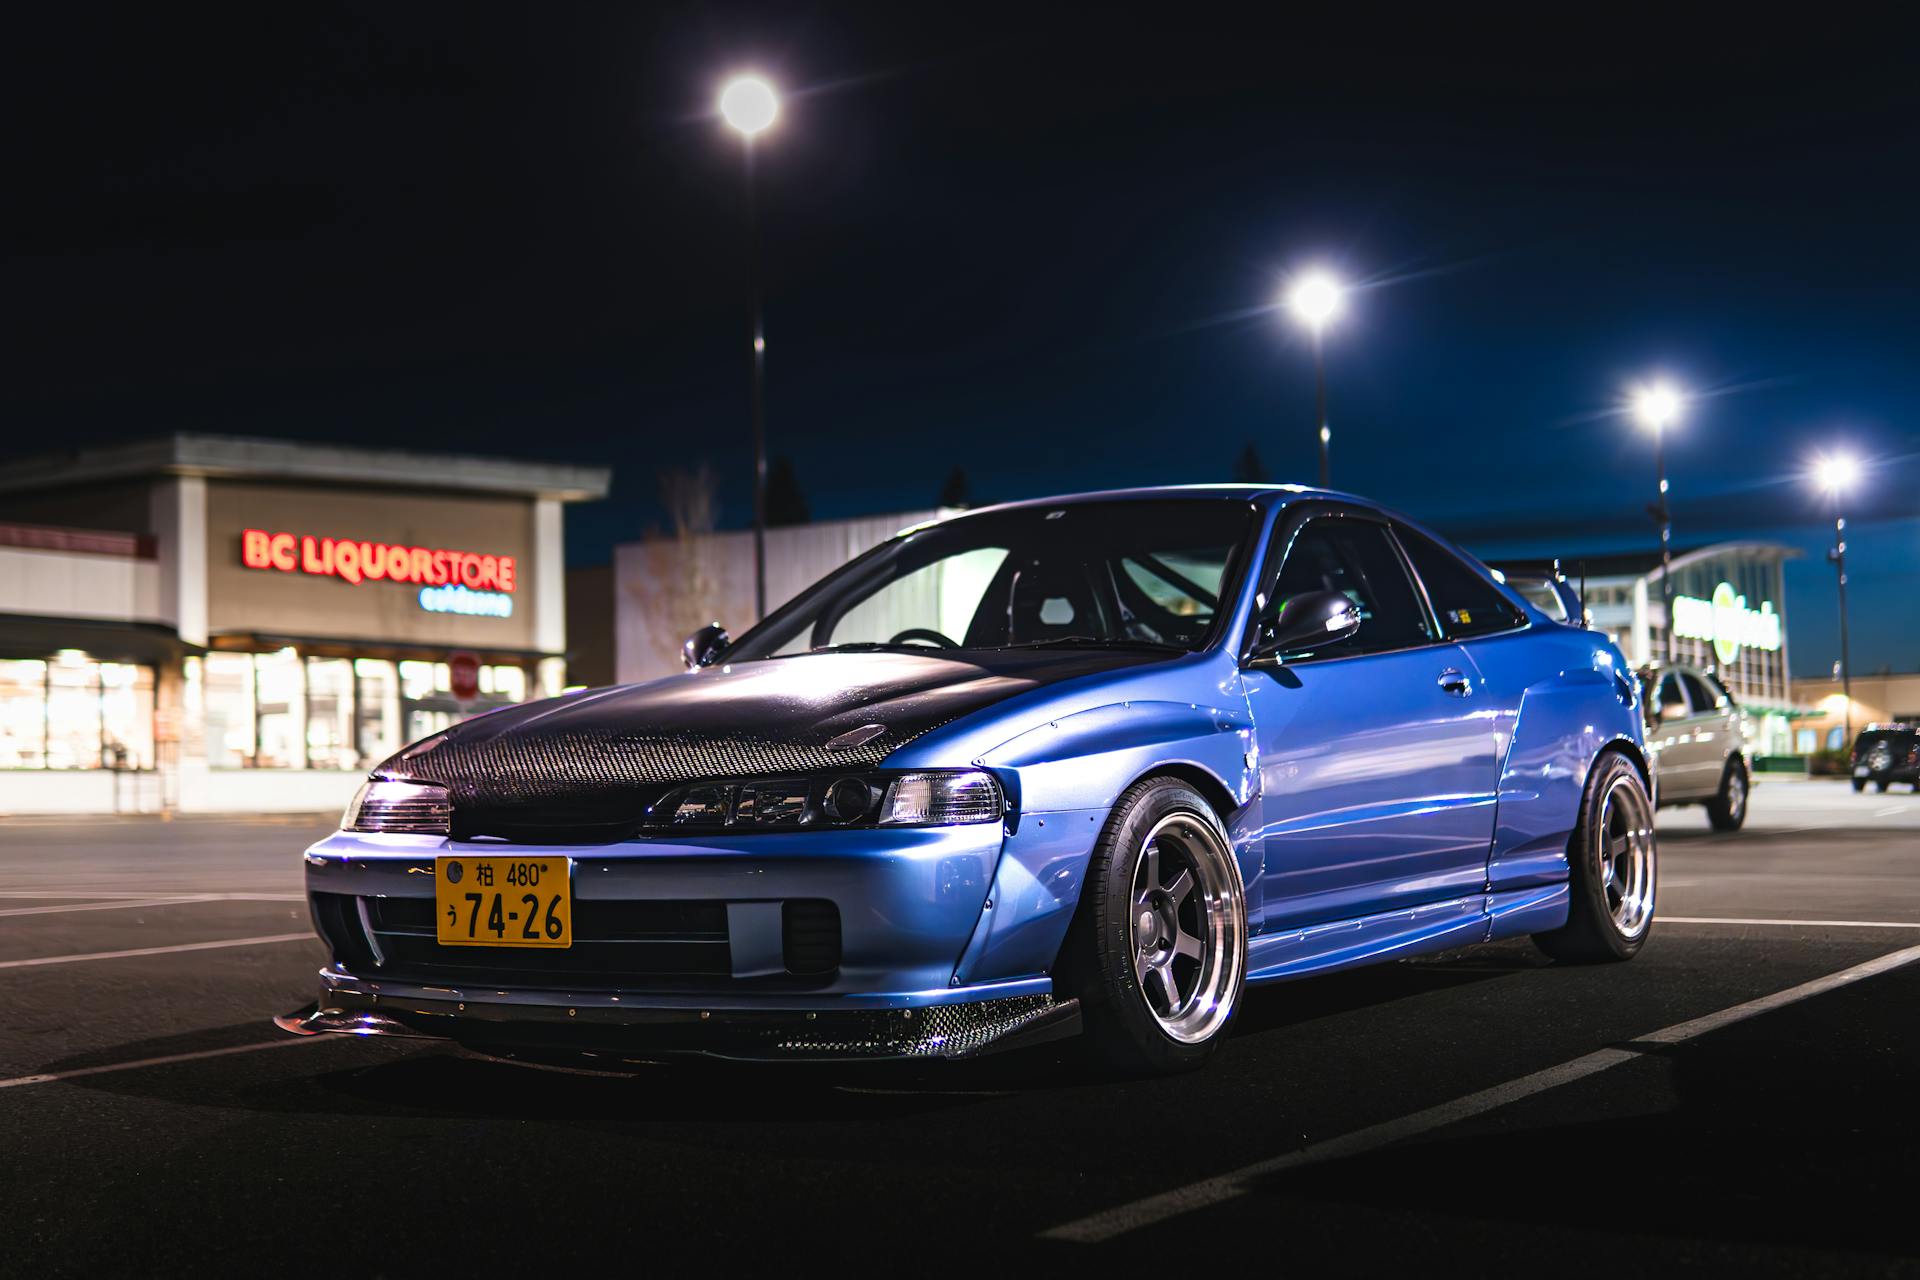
column 244, row 457
column 1570, row 564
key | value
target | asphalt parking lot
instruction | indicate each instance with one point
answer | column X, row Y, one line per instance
column 1740, row 1096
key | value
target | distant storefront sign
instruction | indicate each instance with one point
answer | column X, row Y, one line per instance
column 465, row 582
column 1727, row 622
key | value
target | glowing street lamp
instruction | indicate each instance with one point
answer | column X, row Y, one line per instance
column 1835, row 474
column 1657, row 406
column 749, row 105
column 1315, row 299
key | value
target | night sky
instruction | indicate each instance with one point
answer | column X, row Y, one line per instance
column 1038, row 243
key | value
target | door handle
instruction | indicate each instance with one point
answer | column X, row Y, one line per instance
column 1455, row 682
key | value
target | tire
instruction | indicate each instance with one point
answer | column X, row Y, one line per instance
column 1157, row 953
column 1859, row 785
column 1881, row 785
column 1613, row 866
column 1727, row 811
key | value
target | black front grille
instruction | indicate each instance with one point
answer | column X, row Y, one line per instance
column 631, row 943
column 614, row 944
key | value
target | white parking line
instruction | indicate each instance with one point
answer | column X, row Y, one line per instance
column 1803, row 924
column 1888, row 813
column 158, row 951
column 1109, row 1223
column 49, row 1077
column 118, row 905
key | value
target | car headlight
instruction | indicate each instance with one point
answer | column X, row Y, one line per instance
column 933, row 798
column 937, row 799
column 399, row 808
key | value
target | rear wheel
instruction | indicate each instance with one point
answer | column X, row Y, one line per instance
column 1158, row 951
column 1612, row 869
column 1727, row 811
column 1881, row 785
column 1859, row 785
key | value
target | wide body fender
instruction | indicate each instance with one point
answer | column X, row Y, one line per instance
column 1063, row 777
column 1565, row 696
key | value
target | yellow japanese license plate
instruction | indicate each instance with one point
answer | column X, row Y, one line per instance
column 512, row 901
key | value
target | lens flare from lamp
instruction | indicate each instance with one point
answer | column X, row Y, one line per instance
column 749, row 104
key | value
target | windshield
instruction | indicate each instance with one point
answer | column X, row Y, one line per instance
column 1149, row 573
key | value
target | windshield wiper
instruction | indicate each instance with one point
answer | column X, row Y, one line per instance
column 1118, row 642
column 877, row 646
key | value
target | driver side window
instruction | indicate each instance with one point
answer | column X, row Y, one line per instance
column 1357, row 559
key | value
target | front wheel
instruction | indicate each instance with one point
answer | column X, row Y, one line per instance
column 1727, row 811
column 1859, row 785
column 1157, row 954
column 1612, row 869
column 1881, row 785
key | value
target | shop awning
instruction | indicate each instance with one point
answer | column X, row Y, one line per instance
column 35, row 636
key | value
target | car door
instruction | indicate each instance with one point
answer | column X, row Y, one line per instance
column 1377, row 776
column 1671, row 739
column 1705, row 736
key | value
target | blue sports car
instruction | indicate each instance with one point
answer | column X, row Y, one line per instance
column 1084, row 765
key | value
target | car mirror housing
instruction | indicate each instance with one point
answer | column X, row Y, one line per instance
column 1305, row 623
column 704, row 647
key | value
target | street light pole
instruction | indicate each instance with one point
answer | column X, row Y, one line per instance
column 749, row 105
column 1320, row 407
column 757, row 360
column 1835, row 473
column 1839, row 557
column 1656, row 406
column 1666, row 544
column 1316, row 298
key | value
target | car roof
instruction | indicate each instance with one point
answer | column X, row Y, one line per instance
column 1260, row 494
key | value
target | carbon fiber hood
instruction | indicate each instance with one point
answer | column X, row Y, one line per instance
column 601, row 756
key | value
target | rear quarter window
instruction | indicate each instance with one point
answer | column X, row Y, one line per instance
column 1468, row 603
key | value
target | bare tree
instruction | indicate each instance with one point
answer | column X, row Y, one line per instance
column 678, row 591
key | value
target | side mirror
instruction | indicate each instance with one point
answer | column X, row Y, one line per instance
column 1307, row 622
column 704, row 647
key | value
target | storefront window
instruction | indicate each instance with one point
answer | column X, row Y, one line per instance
column 330, row 714
column 280, row 690
column 378, row 705
column 421, row 680
column 126, row 715
column 229, row 703
column 284, row 711
column 23, row 714
column 504, row 684
column 73, row 712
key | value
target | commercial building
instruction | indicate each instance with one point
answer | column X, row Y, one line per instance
column 664, row 588
column 1877, row 699
column 1729, row 616
column 209, row 623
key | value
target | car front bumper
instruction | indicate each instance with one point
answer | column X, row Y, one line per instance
column 913, row 910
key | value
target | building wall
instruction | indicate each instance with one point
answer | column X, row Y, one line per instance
column 665, row 588
column 1876, row 699
column 120, row 505
column 63, row 584
column 267, row 601
column 590, row 658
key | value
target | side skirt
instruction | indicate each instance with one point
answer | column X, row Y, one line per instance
column 1392, row 935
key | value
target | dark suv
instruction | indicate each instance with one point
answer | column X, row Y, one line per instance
column 1884, row 754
